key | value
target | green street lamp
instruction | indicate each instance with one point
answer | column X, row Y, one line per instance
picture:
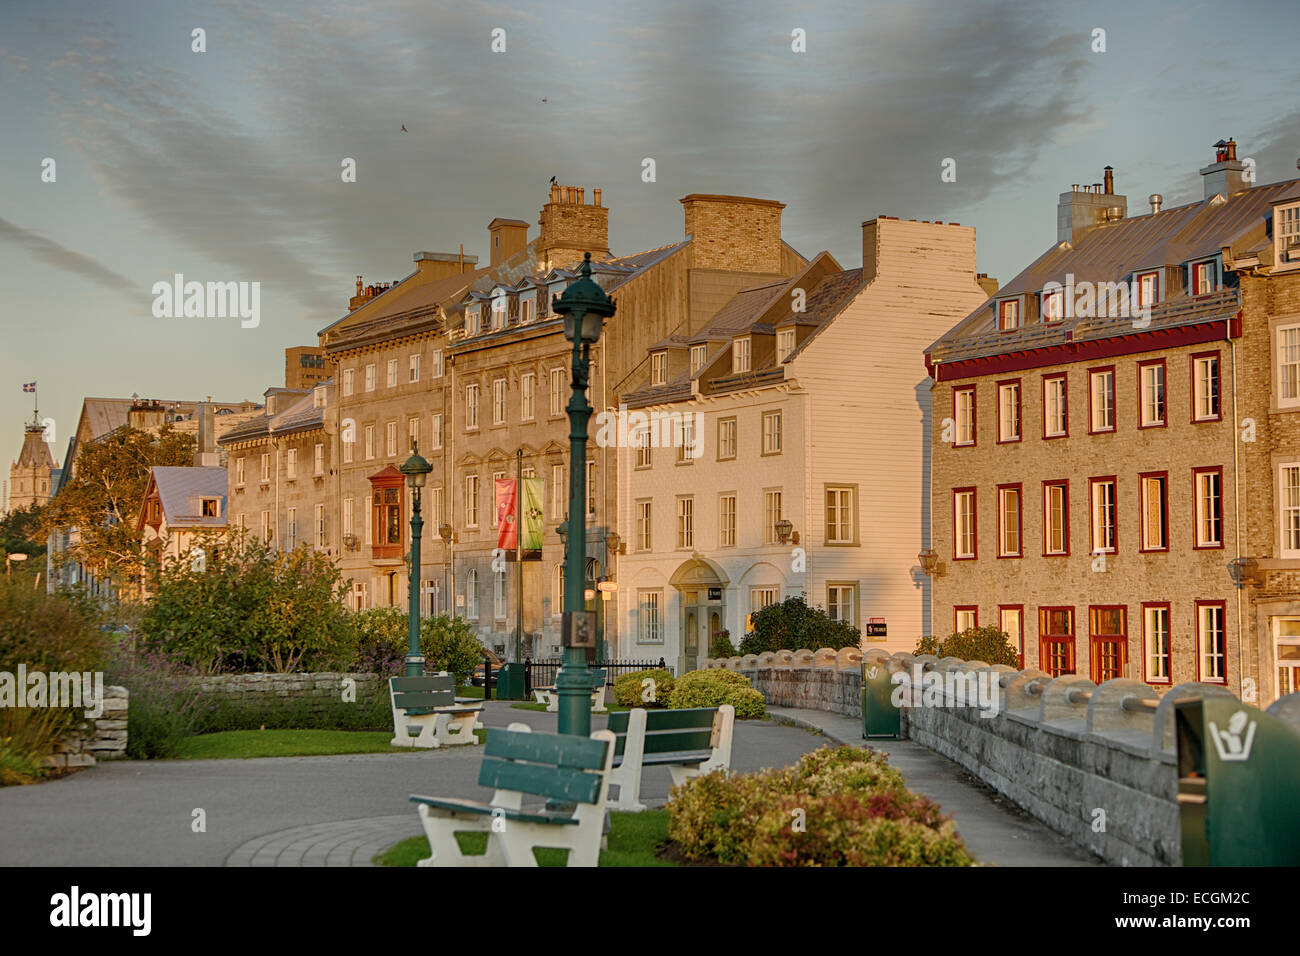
column 416, row 470
column 584, row 307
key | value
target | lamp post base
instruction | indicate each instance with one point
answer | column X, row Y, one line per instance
column 414, row 665
column 573, row 687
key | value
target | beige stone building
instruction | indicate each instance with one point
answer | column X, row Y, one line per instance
column 31, row 475
column 1116, row 443
column 305, row 367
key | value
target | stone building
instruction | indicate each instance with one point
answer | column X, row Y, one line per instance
column 32, row 474
column 779, row 451
column 1116, row 444
column 305, row 367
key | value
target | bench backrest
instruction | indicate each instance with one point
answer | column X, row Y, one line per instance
column 597, row 678
column 669, row 731
column 560, row 767
column 418, row 692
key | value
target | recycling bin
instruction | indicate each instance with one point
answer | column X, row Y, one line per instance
column 880, row 718
column 510, row 681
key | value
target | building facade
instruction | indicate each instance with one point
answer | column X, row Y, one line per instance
column 31, row 476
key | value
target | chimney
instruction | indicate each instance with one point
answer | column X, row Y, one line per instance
column 987, row 283
column 1226, row 175
column 505, row 238
column 1081, row 209
column 735, row 233
column 928, row 253
column 442, row 265
column 205, row 453
column 144, row 415
column 570, row 228
column 1156, row 200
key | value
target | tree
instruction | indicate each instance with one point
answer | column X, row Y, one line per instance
column 103, row 499
column 20, row 533
column 792, row 625
column 987, row 644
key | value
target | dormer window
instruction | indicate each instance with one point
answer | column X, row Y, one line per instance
column 1286, row 236
column 697, row 357
column 471, row 321
column 659, row 368
column 209, row 508
column 1148, row 288
column 784, row 344
column 500, row 306
column 1009, row 315
column 318, row 397
column 525, row 311
column 740, row 356
column 1053, row 305
column 1205, row 277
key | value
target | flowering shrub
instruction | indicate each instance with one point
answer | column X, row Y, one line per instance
column 836, row 807
column 166, row 705
column 712, row 688
column 627, row 688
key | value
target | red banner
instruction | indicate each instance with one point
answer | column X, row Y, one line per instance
column 507, row 530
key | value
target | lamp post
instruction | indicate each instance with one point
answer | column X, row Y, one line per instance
column 445, row 532
column 416, row 470
column 584, row 307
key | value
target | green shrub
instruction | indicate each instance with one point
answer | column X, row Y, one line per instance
column 381, row 641
column 793, row 625
column 712, row 688
column 721, row 646
column 165, row 705
column 987, row 643
column 628, row 690
column 450, row 644
column 369, row 712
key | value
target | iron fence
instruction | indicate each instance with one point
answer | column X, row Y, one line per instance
column 541, row 673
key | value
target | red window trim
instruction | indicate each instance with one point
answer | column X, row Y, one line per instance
column 958, row 608
column 1114, row 392
column 1020, row 610
column 1146, row 659
column 1064, row 483
column 1020, row 519
column 1223, row 606
column 1020, row 313
column 1069, row 640
column 1065, row 394
column 974, row 417
column 1164, row 422
column 1218, row 384
column 975, row 523
column 1094, row 659
column 1042, row 306
column 1092, row 545
column 1142, row 511
column 1137, row 282
column 1196, row 290
column 1020, row 409
column 1196, row 501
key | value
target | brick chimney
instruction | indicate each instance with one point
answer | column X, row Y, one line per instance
column 736, row 233
column 1226, row 175
column 934, row 254
column 505, row 238
column 570, row 228
column 443, row 265
column 1086, row 206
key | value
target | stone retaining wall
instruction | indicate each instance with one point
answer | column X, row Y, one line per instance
column 315, row 690
column 103, row 738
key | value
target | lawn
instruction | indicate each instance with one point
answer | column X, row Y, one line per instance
column 633, row 841
column 228, row 744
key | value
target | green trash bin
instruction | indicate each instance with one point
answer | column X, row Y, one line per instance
column 880, row 718
column 510, row 681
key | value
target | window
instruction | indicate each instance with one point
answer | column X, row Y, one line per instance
column 239, row 471
column 499, row 401
column 1009, row 521
column 392, row 373
column 1108, row 636
column 525, row 311
column 471, row 594
column 292, row 528
column 349, row 381
column 1211, row 649
column 840, row 603
column 1288, row 366
column 412, row 433
column 762, row 597
column 318, row 459
column 527, row 388
column 557, row 392
column 963, row 413
column 1286, row 236
column 559, row 491
column 435, row 431
column 1056, row 640
column 841, row 515
column 1011, row 621
column 349, row 507
column 685, row 522
column 1008, row 411
column 1289, row 508
column 963, row 524
column 641, row 442
column 697, row 357
column 771, row 433
column 209, row 508
column 1009, row 315
column 649, row 614
column 1053, row 305
column 471, row 501
column 784, row 344
column 726, row 439
column 965, row 617
column 643, row 527
column 726, row 521
column 1286, row 652
column 771, row 516
column 266, row 466
column 266, row 527
column 1209, row 507
column 390, row 439
column 1104, row 532
column 1156, row 646
column 686, row 449
column 499, row 596
column 1056, row 422
column 472, row 320
column 437, row 363
column 386, row 517
column 1101, row 400
column 1151, row 394
column 1205, row 387
column 433, row 506
column 740, row 356
column 291, row 463
column 349, row 445
column 370, row 377
column 414, row 375
column 471, row 407
column 320, row 527
column 1148, row 286
column 1154, row 492
column 1205, row 277
column 591, row 489
column 658, row 368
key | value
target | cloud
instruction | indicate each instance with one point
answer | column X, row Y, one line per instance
column 61, row 257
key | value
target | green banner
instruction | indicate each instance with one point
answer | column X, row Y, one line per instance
column 530, row 506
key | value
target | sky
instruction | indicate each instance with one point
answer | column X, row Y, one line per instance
column 226, row 165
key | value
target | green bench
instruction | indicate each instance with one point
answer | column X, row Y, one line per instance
column 547, row 695
column 427, row 712
column 570, row 773
column 688, row 742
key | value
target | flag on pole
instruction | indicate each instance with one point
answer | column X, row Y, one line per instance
column 29, row 386
column 506, row 530
column 532, row 517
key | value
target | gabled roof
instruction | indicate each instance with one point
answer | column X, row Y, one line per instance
column 406, row 305
column 302, row 415
column 181, row 489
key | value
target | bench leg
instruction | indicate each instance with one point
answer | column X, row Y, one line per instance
column 441, row 827
column 432, row 731
column 552, row 702
column 460, row 729
column 598, row 701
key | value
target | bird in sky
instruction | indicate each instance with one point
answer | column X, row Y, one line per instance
column 552, row 180
column 544, row 100
column 404, row 128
